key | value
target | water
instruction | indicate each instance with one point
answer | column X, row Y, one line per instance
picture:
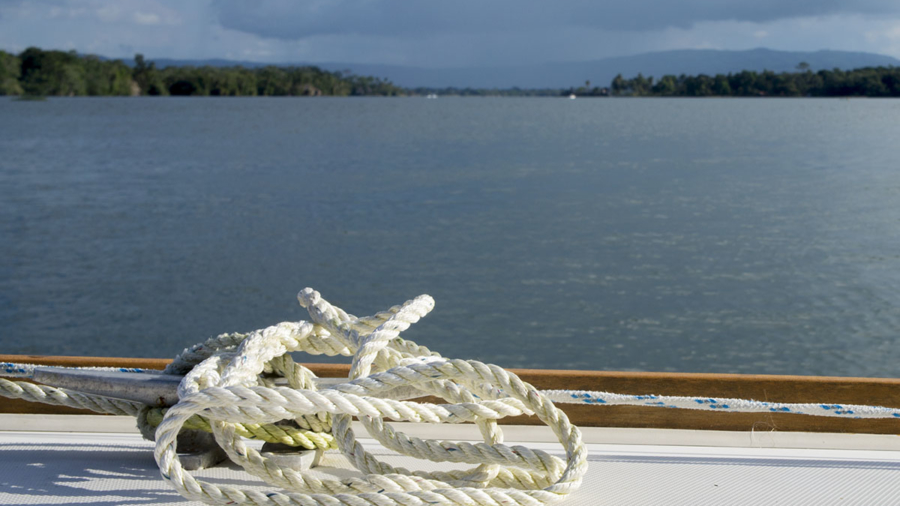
column 748, row 236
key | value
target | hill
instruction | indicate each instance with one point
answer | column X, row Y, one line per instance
column 599, row 72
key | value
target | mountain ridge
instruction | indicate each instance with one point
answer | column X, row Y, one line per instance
column 600, row 72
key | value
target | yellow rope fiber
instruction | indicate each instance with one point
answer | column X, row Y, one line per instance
column 270, row 433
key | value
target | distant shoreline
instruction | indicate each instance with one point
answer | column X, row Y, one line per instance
column 45, row 98
column 38, row 73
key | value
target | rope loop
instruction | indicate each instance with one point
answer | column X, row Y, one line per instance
column 234, row 387
column 229, row 387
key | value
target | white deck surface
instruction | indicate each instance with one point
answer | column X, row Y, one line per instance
column 104, row 461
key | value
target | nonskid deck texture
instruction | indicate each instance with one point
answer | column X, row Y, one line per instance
column 117, row 468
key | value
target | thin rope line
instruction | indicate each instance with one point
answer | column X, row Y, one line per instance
column 228, row 389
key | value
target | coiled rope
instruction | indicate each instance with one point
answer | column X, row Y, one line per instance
column 229, row 389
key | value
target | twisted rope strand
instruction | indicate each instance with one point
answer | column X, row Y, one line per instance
column 721, row 404
column 271, row 433
column 229, row 389
column 68, row 398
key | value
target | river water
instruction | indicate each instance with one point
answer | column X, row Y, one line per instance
column 715, row 235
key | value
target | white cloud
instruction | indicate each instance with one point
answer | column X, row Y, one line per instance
column 109, row 12
column 885, row 37
column 146, row 18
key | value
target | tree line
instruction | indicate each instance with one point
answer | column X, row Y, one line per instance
column 40, row 73
column 60, row 73
column 863, row 82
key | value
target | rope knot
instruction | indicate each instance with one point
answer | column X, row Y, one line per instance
column 252, row 388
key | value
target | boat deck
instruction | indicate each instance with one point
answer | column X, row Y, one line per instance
column 72, row 459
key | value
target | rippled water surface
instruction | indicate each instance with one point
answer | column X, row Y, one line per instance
column 751, row 236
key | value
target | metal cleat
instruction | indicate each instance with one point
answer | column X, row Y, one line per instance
column 291, row 457
column 196, row 449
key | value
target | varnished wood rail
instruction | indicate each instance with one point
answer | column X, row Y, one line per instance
column 873, row 391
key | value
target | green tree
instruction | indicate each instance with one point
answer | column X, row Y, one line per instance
column 641, row 85
column 699, row 86
column 272, row 81
column 618, row 86
column 147, row 77
column 182, row 88
column 106, row 77
column 51, row 73
column 721, row 87
column 10, row 70
column 667, row 86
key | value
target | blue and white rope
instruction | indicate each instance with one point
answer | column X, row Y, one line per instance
column 720, row 404
column 229, row 381
column 26, row 371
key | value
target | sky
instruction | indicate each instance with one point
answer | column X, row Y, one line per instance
column 431, row 33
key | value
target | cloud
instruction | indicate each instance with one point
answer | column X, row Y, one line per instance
column 146, row 18
column 109, row 13
column 428, row 33
column 884, row 36
column 142, row 12
column 296, row 20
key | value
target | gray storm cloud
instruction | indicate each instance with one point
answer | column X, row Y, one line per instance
column 284, row 19
column 455, row 33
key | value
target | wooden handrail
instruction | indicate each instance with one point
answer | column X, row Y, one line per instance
column 874, row 391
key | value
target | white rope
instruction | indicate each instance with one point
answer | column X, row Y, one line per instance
column 228, row 381
column 721, row 404
column 68, row 398
column 225, row 388
column 17, row 370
